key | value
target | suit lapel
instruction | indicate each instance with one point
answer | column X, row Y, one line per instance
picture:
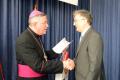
column 83, row 40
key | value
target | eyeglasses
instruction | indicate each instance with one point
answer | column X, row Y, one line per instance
column 78, row 20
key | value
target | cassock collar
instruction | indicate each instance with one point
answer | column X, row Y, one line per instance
column 36, row 35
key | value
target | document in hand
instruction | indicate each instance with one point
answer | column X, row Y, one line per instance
column 63, row 44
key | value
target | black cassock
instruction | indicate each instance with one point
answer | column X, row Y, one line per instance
column 30, row 51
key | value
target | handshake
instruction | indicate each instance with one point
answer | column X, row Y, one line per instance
column 68, row 64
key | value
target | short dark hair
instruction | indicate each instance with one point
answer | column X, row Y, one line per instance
column 85, row 14
column 42, row 14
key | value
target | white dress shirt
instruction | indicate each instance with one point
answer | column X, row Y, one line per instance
column 83, row 33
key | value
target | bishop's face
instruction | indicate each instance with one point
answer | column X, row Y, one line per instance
column 42, row 25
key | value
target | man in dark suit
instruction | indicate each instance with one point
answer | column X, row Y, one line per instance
column 89, row 55
column 34, row 63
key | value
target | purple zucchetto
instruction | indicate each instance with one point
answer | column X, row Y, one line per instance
column 34, row 13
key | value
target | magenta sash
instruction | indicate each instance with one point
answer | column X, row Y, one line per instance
column 26, row 71
column 1, row 72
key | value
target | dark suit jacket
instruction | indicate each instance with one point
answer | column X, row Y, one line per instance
column 89, row 57
column 30, row 53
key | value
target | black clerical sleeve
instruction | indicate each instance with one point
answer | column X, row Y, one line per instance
column 28, row 54
column 51, row 54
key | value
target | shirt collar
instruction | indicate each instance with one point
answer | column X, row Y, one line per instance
column 83, row 33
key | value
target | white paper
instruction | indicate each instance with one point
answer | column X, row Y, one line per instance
column 58, row 48
column 61, row 76
column 74, row 2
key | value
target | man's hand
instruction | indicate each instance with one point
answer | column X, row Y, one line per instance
column 69, row 64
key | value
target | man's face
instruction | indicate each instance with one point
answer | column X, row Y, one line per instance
column 42, row 25
column 79, row 23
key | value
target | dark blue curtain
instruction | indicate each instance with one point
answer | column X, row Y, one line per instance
column 107, row 22
column 14, row 20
